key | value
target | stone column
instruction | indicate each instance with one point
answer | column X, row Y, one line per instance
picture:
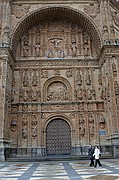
column 5, row 95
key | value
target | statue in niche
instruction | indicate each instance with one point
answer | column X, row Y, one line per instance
column 24, row 129
column 91, row 124
column 102, row 122
column 35, row 95
column 85, row 94
column 93, row 94
column 29, row 94
column 101, row 91
column 81, row 125
column 50, row 54
column 117, row 101
column 34, row 81
column 6, row 36
column 37, row 49
column 13, row 91
column 79, row 93
column 114, row 69
column 69, row 73
column 89, row 96
column 25, row 79
column 25, row 96
column 78, row 79
column 61, row 54
column 74, row 49
column 34, row 132
column 34, row 127
column 86, row 47
column 57, row 72
column 25, row 49
column 116, row 86
column 88, row 80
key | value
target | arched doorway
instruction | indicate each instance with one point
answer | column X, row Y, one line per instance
column 58, row 137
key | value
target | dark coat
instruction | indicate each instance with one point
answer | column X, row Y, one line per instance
column 90, row 152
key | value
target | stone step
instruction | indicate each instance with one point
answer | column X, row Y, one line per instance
column 52, row 158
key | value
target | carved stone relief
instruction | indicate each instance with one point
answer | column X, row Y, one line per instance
column 54, row 40
column 92, row 9
column 57, row 91
column 69, row 73
column 20, row 10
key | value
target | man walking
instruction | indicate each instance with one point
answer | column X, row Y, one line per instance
column 90, row 154
column 97, row 156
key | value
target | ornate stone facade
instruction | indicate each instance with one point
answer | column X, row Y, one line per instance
column 59, row 77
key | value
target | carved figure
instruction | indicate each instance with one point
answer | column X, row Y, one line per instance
column 37, row 49
column 25, row 79
column 88, row 80
column 50, row 54
column 114, row 69
column 25, row 49
column 24, row 107
column 74, row 49
column 34, row 131
column 13, row 125
column 81, row 125
column 56, row 42
column 25, row 96
column 78, row 79
column 89, row 96
column 116, row 86
column 24, row 132
column 34, row 81
column 102, row 122
column 86, row 49
column 91, row 124
column 21, row 94
column 79, row 94
column 6, row 36
column 69, row 73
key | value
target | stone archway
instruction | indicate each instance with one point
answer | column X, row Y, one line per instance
column 58, row 137
column 52, row 14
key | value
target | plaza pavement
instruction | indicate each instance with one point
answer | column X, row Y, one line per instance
column 59, row 170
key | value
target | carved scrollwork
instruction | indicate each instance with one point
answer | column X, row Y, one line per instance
column 20, row 10
column 92, row 10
